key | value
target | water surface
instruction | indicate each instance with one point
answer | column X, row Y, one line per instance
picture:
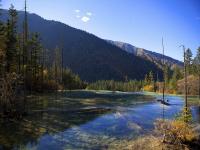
column 86, row 120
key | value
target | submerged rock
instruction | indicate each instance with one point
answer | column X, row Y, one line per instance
column 134, row 126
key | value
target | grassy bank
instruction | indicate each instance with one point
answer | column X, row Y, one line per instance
column 168, row 135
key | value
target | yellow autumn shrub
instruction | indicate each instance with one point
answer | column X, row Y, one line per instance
column 175, row 132
column 149, row 88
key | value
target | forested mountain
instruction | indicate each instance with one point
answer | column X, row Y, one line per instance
column 146, row 54
column 85, row 54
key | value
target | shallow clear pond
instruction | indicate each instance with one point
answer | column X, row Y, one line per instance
column 86, row 120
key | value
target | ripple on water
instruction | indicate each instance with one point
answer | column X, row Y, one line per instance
column 87, row 120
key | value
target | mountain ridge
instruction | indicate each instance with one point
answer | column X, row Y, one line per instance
column 147, row 54
column 87, row 55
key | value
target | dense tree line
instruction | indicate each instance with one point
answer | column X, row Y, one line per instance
column 132, row 85
column 193, row 75
column 25, row 66
column 174, row 78
column 193, row 71
column 23, row 54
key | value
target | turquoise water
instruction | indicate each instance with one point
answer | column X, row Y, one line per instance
column 86, row 120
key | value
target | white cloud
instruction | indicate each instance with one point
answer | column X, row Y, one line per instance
column 77, row 11
column 85, row 19
column 89, row 13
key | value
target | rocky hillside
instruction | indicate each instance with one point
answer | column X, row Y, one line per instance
column 147, row 55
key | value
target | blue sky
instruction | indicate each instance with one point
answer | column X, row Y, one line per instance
column 141, row 23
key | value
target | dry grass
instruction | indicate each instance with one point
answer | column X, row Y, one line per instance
column 176, row 132
column 146, row 143
column 168, row 135
column 143, row 143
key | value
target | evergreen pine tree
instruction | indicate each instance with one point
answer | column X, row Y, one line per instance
column 197, row 67
column 188, row 60
column 2, row 48
column 11, row 41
